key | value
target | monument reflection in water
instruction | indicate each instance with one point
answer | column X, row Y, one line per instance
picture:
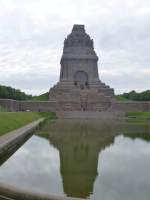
column 88, row 159
column 79, row 144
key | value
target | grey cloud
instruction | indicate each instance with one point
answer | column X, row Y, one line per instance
column 32, row 34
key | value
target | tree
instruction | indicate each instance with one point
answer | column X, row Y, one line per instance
column 11, row 93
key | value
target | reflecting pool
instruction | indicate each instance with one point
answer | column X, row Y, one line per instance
column 88, row 159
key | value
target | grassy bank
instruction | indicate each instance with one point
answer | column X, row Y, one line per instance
column 42, row 97
column 138, row 114
column 12, row 120
column 2, row 109
column 138, row 117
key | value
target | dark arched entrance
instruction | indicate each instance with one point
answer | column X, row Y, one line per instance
column 81, row 79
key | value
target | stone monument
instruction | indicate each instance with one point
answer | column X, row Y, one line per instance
column 79, row 87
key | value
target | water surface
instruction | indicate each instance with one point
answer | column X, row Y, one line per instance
column 88, row 159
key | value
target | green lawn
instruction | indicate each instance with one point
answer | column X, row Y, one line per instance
column 121, row 98
column 12, row 120
column 138, row 114
column 138, row 117
column 42, row 97
column 2, row 109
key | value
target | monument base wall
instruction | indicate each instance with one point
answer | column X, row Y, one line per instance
column 52, row 106
column 38, row 106
column 131, row 106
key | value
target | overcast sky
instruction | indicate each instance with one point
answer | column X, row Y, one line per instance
column 32, row 34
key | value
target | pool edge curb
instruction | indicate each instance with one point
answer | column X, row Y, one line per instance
column 11, row 140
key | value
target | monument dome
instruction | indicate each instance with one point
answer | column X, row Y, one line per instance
column 79, row 87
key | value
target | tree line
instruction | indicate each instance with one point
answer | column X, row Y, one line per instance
column 136, row 96
column 11, row 93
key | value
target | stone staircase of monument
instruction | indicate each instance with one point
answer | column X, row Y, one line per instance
column 81, row 99
column 92, row 101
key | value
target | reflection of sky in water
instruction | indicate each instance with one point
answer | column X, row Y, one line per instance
column 35, row 165
column 123, row 169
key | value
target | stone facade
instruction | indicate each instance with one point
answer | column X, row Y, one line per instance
column 79, row 87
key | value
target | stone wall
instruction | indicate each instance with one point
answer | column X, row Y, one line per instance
column 9, row 104
column 13, row 105
column 37, row 106
column 52, row 106
column 130, row 106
